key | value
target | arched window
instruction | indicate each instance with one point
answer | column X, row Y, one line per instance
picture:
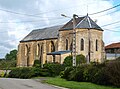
column 66, row 44
column 38, row 50
column 26, row 50
column 41, row 53
column 52, row 46
column 96, row 45
column 82, row 44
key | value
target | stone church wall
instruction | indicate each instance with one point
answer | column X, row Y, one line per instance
column 86, row 35
column 37, row 50
column 27, row 52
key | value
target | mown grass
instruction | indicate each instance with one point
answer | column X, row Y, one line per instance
column 75, row 85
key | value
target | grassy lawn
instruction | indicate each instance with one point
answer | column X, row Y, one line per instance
column 75, row 85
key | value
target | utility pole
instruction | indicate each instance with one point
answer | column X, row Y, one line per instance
column 74, row 40
column 89, row 43
column 89, row 55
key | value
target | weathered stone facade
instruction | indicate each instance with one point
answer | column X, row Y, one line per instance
column 35, row 50
column 56, row 48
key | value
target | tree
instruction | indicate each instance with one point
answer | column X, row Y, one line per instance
column 6, row 65
column 12, row 55
column 79, row 60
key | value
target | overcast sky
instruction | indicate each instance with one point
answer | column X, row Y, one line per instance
column 19, row 17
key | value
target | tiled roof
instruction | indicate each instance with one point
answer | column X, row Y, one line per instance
column 45, row 33
column 113, row 45
column 82, row 22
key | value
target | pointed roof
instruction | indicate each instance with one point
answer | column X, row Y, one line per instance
column 82, row 22
column 53, row 32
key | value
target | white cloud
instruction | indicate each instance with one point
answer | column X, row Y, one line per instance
column 12, row 33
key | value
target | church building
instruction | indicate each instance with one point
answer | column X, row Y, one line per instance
column 53, row 44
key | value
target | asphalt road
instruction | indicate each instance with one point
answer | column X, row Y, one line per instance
column 8, row 83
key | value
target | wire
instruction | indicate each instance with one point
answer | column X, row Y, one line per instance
column 23, row 13
column 35, row 27
column 105, row 10
column 109, row 13
column 18, row 13
column 110, row 24
column 36, row 15
column 115, row 27
column 112, row 30
column 59, row 9
column 31, row 21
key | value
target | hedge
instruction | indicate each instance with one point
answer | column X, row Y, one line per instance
column 49, row 70
column 104, row 74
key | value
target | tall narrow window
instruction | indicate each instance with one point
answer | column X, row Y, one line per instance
column 96, row 45
column 41, row 53
column 52, row 46
column 82, row 44
column 66, row 44
column 38, row 50
column 26, row 50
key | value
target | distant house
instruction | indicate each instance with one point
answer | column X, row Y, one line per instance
column 112, row 51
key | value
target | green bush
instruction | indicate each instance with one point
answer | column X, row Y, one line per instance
column 2, row 74
column 45, row 73
column 72, row 74
column 37, row 63
column 79, row 76
column 113, row 72
column 36, row 71
column 21, row 73
column 67, row 61
column 50, row 69
column 104, row 74
column 91, row 71
column 67, row 72
column 54, row 69
column 80, row 59
column 26, row 73
column 61, row 74
column 101, row 77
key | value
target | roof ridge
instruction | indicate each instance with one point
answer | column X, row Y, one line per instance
column 89, row 21
column 47, row 27
column 80, row 21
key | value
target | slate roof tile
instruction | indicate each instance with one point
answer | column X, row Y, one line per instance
column 45, row 33
column 82, row 22
column 52, row 32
